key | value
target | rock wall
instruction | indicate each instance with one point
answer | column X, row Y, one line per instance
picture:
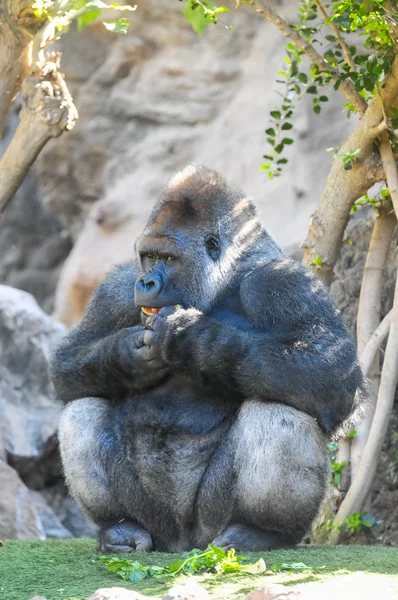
column 161, row 97
column 33, row 500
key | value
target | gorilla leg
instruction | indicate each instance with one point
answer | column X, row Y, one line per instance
column 279, row 458
column 89, row 450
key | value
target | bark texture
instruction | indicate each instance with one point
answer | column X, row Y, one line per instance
column 47, row 111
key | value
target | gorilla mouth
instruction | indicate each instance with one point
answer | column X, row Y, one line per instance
column 150, row 311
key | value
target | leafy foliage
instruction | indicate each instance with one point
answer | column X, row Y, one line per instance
column 200, row 13
column 336, row 468
column 348, row 158
column 212, row 560
column 371, row 201
column 354, row 523
column 60, row 14
column 377, row 23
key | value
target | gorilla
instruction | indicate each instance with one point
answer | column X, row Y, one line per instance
column 203, row 383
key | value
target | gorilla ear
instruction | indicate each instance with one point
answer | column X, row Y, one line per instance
column 213, row 247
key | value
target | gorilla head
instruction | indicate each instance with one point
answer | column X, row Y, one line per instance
column 197, row 232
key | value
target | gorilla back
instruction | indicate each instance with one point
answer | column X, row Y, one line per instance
column 203, row 383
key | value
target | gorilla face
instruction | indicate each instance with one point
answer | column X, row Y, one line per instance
column 197, row 232
column 173, row 266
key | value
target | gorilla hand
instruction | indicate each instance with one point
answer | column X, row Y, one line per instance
column 140, row 357
column 167, row 326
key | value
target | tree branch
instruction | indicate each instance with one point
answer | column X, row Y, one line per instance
column 346, row 51
column 47, row 110
column 346, row 86
column 374, row 344
column 369, row 317
column 362, row 481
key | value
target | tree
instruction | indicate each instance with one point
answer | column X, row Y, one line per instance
column 28, row 27
column 366, row 73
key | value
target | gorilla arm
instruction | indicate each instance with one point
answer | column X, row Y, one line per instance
column 106, row 355
column 299, row 353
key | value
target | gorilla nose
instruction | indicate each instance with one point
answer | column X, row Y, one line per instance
column 147, row 289
column 149, row 282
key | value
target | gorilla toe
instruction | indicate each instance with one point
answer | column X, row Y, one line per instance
column 124, row 536
column 249, row 538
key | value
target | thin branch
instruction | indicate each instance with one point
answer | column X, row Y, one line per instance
column 379, row 129
column 390, row 169
column 346, row 86
column 343, row 45
column 374, row 343
column 368, row 318
column 362, row 482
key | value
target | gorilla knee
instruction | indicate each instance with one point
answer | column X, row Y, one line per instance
column 80, row 433
column 277, row 449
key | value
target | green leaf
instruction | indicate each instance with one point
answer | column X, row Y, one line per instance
column 275, row 114
column 317, row 109
column 270, row 131
column 317, row 260
column 352, row 433
column 282, row 161
column 117, row 26
column 197, row 16
column 221, row 9
column 312, row 90
column 286, row 126
column 323, row 98
column 123, row 7
column 287, row 141
column 303, row 78
column 137, row 575
column 88, row 17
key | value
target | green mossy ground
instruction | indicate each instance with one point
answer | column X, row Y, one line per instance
column 66, row 569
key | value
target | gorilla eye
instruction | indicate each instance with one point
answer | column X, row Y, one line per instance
column 170, row 258
column 150, row 256
column 213, row 247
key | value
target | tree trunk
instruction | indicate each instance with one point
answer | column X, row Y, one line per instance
column 369, row 318
column 47, row 110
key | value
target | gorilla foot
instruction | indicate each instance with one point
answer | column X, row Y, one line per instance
column 124, row 536
column 249, row 538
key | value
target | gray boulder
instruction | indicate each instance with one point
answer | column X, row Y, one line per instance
column 28, row 413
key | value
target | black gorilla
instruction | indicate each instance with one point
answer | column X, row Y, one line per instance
column 208, row 420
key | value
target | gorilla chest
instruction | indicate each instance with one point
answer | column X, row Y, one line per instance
column 176, row 408
column 173, row 431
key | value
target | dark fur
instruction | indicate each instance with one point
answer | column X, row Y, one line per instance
column 210, row 419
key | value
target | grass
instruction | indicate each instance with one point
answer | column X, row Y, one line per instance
column 70, row 569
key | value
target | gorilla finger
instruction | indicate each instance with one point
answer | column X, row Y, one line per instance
column 153, row 322
column 167, row 311
column 150, row 338
column 136, row 337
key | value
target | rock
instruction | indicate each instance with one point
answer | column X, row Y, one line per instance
column 187, row 591
column 207, row 96
column 28, row 412
column 33, row 244
column 117, row 593
column 349, row 269
column 274, row 592
column 105, row 241
column 52, row 526
column 19, row 518
column 2, row 443
column 68, row 511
